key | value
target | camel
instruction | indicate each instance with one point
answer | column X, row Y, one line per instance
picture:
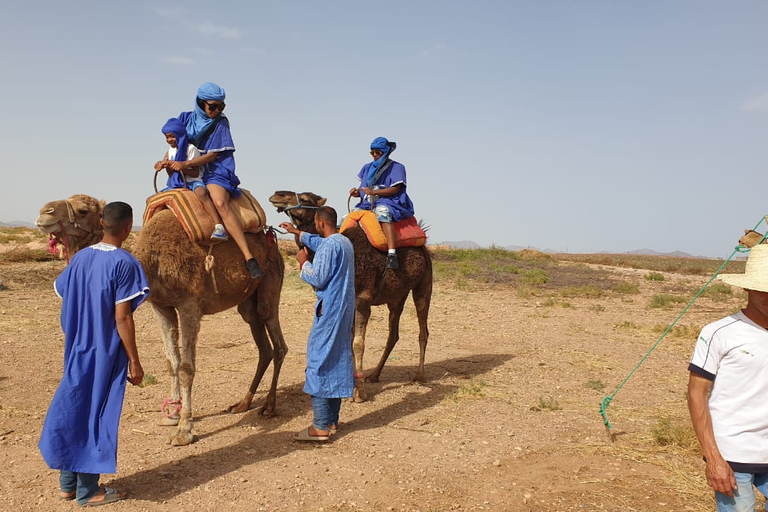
column 181, row 292
column 72, row 223
column 373, row 285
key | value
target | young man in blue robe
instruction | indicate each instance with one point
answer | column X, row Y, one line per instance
column 100, row 289
column 329, row 373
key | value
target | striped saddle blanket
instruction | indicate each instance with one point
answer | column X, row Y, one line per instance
column 407, row 231
column 194, row 219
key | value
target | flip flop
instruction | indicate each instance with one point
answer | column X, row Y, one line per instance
column 304, row 435
column 110, row 496
column 332, row 429
column 69, row 495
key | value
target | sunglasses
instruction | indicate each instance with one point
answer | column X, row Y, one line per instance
column 215, row 106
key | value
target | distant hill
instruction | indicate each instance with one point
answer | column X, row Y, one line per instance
column 463, row 244
column 674, row 254
column 468, row 244
column 17, row 224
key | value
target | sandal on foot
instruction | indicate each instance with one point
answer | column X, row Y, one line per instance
column 110, row 496
column 304, row 435
column 67, row 496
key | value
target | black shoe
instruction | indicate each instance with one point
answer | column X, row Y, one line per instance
column 392, row 262
column 253, row 267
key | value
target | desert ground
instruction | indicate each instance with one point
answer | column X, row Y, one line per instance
column 523, row 348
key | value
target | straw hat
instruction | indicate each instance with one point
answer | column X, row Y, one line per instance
column 756, row 275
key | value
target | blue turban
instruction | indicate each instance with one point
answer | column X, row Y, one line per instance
column 386, row 147
column 174, row 126
column 199, row 123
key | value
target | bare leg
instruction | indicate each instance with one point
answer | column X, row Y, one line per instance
column 389, row 234
column 210, row 209
column 220, row 198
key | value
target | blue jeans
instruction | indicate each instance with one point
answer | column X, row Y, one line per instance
column 326, row 412
column 744, row 496
column 85, row 484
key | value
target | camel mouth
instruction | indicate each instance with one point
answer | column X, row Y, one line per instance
column 47, row 228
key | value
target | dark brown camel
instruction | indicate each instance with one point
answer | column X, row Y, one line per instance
column 181, row 292
column 373, row 285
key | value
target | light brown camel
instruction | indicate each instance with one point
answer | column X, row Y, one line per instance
column 181, row 292
column 71, row 223
column 373, row 285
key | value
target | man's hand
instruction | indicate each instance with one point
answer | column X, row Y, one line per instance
column 354, row 192
column 302, row 256
column 290, row 228
column 177, row 166
column 135, row 372
column 160, row 165
column 720, row 476
column 367, row 191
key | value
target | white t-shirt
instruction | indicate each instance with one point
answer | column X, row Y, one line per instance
column 192, row 152
column 733, row 353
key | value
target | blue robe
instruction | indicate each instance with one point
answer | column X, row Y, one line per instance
column 330, row 372
column 400, row 204
column 80, row 429
column 222, row 170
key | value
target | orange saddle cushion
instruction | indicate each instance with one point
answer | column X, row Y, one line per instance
column 407, row 231
column 196, row 221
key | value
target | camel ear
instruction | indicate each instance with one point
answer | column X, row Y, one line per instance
column 103, row 203
column 321, row 201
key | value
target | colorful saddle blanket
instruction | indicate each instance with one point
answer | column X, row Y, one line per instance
column 194, row 219
column 408, row 232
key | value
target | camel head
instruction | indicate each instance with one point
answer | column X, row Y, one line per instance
column 299, row 206
column 73, row 223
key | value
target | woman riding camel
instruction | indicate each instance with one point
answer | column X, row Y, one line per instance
column 208, row 130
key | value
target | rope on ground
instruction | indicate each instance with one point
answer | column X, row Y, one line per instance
column 607, row 400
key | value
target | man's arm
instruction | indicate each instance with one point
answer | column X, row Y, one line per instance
column 127, row 331
column 719, row 473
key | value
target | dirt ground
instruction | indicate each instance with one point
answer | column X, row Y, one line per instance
column 508, row 420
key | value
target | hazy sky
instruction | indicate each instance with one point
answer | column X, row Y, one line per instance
column 568, row 125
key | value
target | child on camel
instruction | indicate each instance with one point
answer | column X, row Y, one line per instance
column 180, row 151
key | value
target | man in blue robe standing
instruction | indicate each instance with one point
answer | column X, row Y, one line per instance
column 329, row 373
column 101, row 288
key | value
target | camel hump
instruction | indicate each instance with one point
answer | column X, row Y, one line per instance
column 408, row 231
column 195, row 220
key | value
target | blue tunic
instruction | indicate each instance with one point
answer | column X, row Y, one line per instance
column 400, row 204
column 330, row 372
column 222, row 170
column 80, row 429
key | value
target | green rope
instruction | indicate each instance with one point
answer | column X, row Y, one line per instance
column 607, row 400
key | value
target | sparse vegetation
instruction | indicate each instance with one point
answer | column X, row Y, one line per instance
column 473, row 389
column 589, row 291
column 149, row 380
column 665, row 300
column 548, row 404
column 627, row 288
column 718, row 292
column 667, row 433
column 535, row 276
column 597, row 308
column 594, row 384
column 654, row 276
column 626, row 324
column 679, row 331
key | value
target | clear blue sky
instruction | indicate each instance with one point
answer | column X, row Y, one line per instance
column 567, row 125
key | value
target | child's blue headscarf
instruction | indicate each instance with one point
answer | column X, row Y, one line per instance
column 386, row 147
column 199, row 123
column 174, row 126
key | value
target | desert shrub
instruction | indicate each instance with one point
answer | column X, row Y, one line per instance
column 548, row 404
column 626, row 324
column 654, row 276
column 474, row 389
column 718, row 291
column 628, row 288
column 597, row 308
column 679, row 331
column 535, row 276
column 149, row 380
column 22, row 255
column 664, row 300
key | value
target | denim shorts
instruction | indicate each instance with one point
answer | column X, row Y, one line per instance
column 383, row 213
column 744, row 496
column 193, row 185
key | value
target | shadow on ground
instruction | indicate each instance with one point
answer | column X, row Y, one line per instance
column 196, row 470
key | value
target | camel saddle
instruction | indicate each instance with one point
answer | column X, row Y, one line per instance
column 194, row 219
column 407, row 231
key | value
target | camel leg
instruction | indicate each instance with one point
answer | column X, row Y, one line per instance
column 169, row 328
column 189, row 320
column 280, row 349
column 248, row 311
column 422, row 297
column 362, row 314
column 395, row 311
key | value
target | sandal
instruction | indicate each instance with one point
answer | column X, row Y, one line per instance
column 110, row 496
column 304, row 435
column 67, row 496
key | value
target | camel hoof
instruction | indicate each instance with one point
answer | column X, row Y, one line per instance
column 239, row 408
column 168, row 422
column 181, row 439
column 372, row 378
column 359, row 396
column 267, row 412
column 420, row 377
